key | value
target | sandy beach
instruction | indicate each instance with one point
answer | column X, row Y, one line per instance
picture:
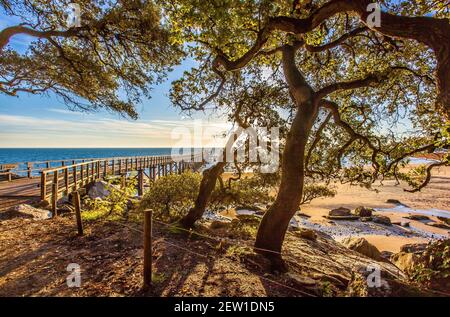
column 432, row 200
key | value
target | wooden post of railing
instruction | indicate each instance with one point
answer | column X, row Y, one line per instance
column 126, row 166
column 105, row 168
column 66, row 180
column 47, row 164
column 29, row 166
column 114, row 167
column 87, row 175
column 120, row 166
column 55, row 192
column 92, row 171
column 43, row 185
column 82, row 175
column 74, row 176
column 140, row 182
column 147, row 249
column 98, row 171
column 77, row 205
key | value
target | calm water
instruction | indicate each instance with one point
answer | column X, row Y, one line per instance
column 38, row 155
column 35, row 155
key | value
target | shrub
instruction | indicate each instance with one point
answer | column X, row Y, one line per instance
column 170, row 197
column 433, row 268
column 114, row 205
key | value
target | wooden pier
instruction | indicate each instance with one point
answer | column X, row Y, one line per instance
column 58, row 182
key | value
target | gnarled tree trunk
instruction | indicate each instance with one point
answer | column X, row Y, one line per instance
column 207, row 186
column 275, row 222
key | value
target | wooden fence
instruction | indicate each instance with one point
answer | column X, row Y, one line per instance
column 59, row 182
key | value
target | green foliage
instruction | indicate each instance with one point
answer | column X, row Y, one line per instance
column 170, row 197
column 121, row 48
column 243, row 191
column 113, row 206
column 433, row 268
column 313, row 191
column 245, row 227
column 414, row 176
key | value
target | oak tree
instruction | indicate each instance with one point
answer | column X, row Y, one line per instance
column 365, row 96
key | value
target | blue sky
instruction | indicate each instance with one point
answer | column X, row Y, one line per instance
column 44, row 121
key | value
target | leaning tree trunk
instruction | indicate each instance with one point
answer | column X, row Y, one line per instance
column 207, row 186
column 275, row 222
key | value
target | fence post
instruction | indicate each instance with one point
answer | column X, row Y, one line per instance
column 43, row 185
column 77, row 205
column 75, row 179
column 105, row 168
column 147, row 249
column 141, row 182
column 29, row 166
column 66, row 180
column 55, row 193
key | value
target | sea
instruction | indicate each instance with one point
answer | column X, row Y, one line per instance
column 24, row 155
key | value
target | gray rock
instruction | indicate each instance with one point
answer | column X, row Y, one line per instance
column 363, row 211
column 308, row 234
column 340, row 212
column 99, row 190
column 27, row 211
column 362, row 246
column 413, row 247
column 417, row 217
column 382, row 220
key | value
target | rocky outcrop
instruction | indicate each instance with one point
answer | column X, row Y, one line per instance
column 405, row 261
column 363, row 246
column 363, row 212
column 382, row 220
column 98, row 190
column 308, row 234
column 393, row 201
column 339, row 212
column 417, row 217
column 439, row 225
column 26, row 211
column 414, row 247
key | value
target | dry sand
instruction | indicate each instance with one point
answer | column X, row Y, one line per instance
column 435, row 196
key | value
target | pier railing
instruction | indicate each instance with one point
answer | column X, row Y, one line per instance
column 61, row 181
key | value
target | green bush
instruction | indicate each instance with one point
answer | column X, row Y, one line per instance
column 244, row 192
column 114, row 206
column 433, row 268
column 170, row 197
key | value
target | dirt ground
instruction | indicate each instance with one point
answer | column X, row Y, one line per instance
column 34, row 256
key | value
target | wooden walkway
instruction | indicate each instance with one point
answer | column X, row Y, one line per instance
column 19, row 191
column 55, row 183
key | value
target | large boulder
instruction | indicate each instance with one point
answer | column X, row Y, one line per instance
column 98, row 190
column 383, row 220
column 413, row 247
column 363, row 211
column 26, row 211
column 340, row 212
column 363, row 246
column 308, row 234
column 405, row 261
